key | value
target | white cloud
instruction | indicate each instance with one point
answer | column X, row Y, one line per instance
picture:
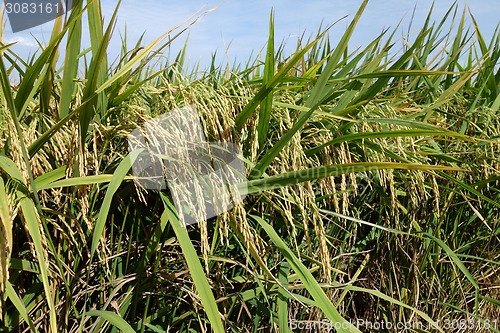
column 21, row 41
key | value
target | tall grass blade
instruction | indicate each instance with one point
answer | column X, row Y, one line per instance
column 195, row 268
column 94, row 101
column 383, row 134
column 115, row 182
column 319, row 89
column 308, row 280
column 79, row 181
column 395, row 301
column 19, row 305
column 283, row 299
column 295, row 177
column 267, row 103
column 242, row 117
column 71, row 60
column 456, row 260
column 33, row 225
column 113, row 318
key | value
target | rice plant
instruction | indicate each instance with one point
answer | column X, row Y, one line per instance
column 373, row 182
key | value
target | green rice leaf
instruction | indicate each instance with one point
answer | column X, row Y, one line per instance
column 267, row 103
column 78, row 181
column 394, row 301
column 283, row 299
column 33, row 225
column 242, row 117
column 19, row 305
column 194, row 264
column 71, row 60
column 383, row 134
column 7, row 165
column 114, row 184
column 454, row 257
column 295, row 177
column 319, row 90
column 113, row 318
column 308, row 280
column 50, row 177
column 98, row 66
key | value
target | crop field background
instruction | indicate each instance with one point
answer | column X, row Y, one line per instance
column 373, row 177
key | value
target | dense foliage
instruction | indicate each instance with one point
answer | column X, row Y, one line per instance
column 373, row 175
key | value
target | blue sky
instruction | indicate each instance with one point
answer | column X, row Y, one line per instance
column 244, row 24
